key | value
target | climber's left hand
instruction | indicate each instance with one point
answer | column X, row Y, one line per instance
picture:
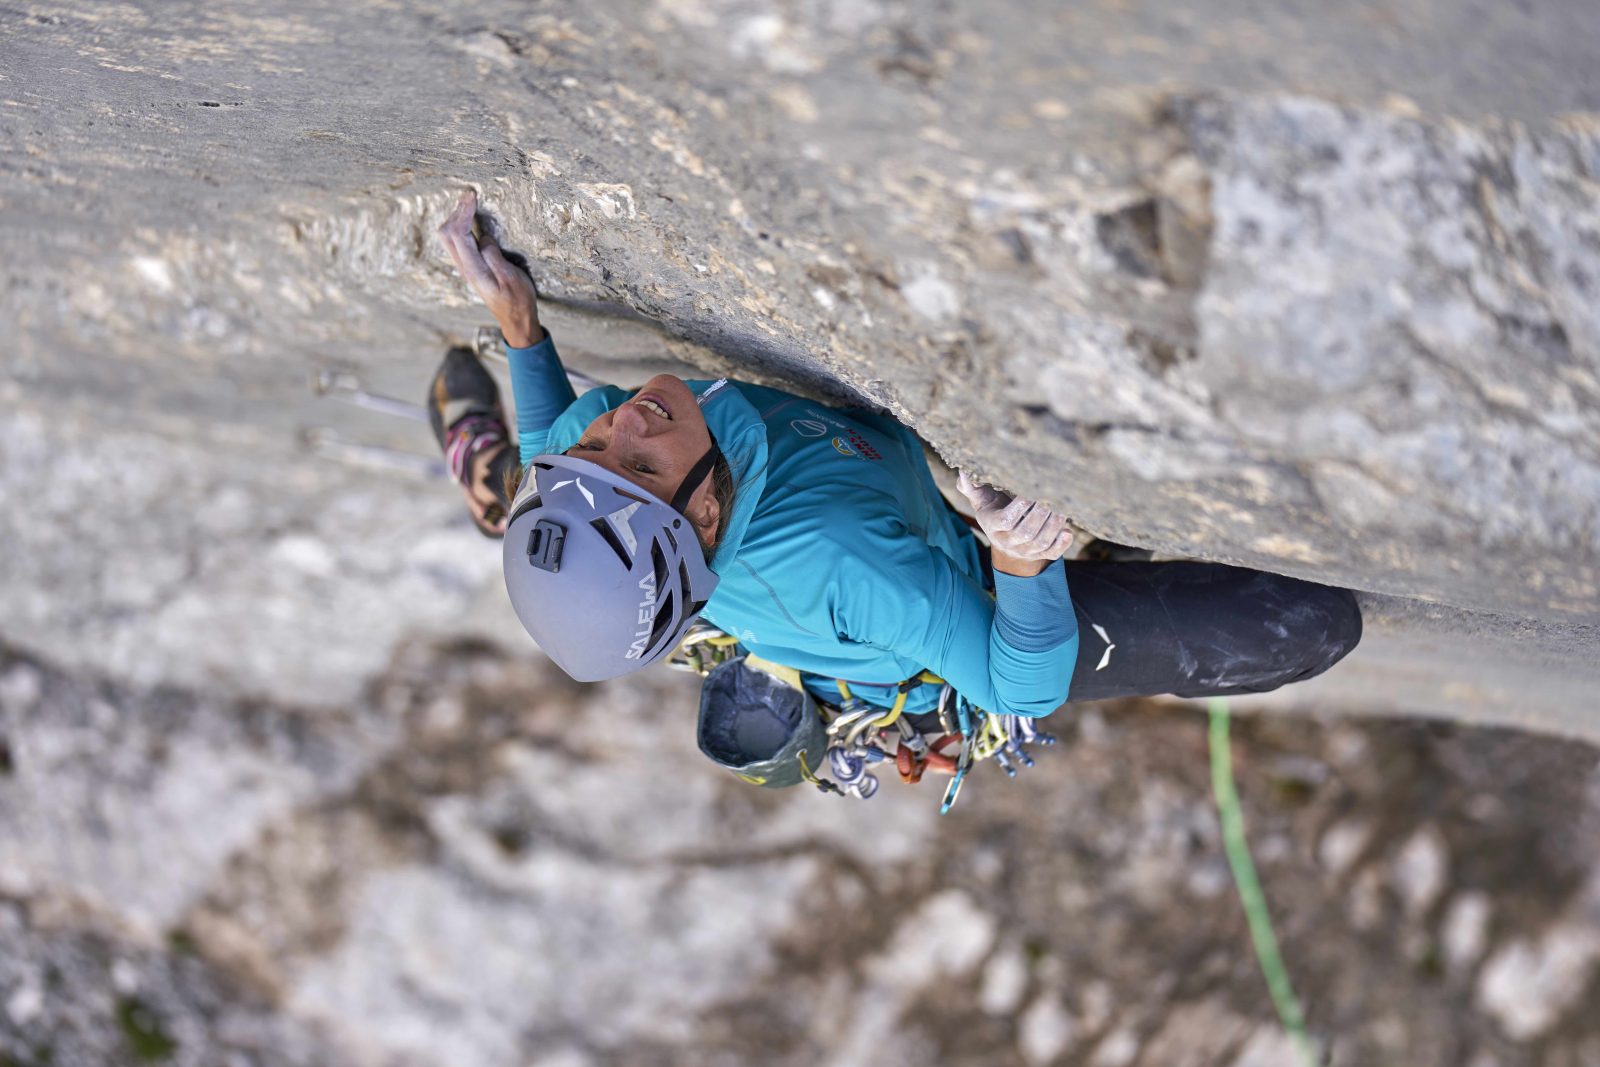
column 503, row 287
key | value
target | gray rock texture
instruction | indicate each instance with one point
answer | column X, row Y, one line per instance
column 525, row 871
column 1308, row 287
column 1310, row 290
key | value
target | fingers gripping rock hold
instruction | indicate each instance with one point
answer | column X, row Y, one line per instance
column 505, row 289
column 1025, row 529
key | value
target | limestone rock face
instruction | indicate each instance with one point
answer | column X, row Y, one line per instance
column 1297, row 293
column 1402, row 317
column 1352, row 341
column 1312, row 289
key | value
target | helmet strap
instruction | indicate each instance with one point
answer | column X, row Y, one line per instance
column 696, row 475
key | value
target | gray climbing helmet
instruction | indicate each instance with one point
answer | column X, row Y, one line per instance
column 604, row 575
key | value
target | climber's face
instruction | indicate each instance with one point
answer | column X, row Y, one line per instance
column 654, row 440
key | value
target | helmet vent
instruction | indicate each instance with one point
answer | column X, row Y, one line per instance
column 662, row 621
column 523, row 506
column 695, row 606
column 603, row 528
column 664, row 613
column 685, row 590
column 658, row 560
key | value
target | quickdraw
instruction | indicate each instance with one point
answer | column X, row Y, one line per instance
column 976, row 735
column 912, row 769
column 703, row 648
column 852, row 732
column 859, row 735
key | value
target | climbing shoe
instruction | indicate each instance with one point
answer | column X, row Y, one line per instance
column 467, row 419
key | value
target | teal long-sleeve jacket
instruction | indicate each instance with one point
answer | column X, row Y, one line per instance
column 841, row 559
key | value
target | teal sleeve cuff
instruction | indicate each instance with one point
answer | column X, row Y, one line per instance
column 1034, row 614
column 540, row 392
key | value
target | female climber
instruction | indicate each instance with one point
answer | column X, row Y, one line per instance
column 817, row 538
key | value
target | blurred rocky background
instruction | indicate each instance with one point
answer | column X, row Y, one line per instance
column 475, row 862
column 1309, row 287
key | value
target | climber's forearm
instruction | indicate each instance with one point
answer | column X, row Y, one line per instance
column 540, row 391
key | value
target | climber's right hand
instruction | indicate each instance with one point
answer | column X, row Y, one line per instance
column 1018, row 530
column 504, row 288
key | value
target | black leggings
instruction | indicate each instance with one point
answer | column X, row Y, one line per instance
column 1202, row 629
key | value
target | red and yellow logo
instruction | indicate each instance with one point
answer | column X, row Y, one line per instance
column 854, row 444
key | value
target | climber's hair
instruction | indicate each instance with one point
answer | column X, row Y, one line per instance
column 722, row 487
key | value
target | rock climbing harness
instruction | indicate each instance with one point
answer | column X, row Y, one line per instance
column 758, row 720
column 703, row 647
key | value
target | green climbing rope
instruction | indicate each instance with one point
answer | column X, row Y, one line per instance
column 1250, row 894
